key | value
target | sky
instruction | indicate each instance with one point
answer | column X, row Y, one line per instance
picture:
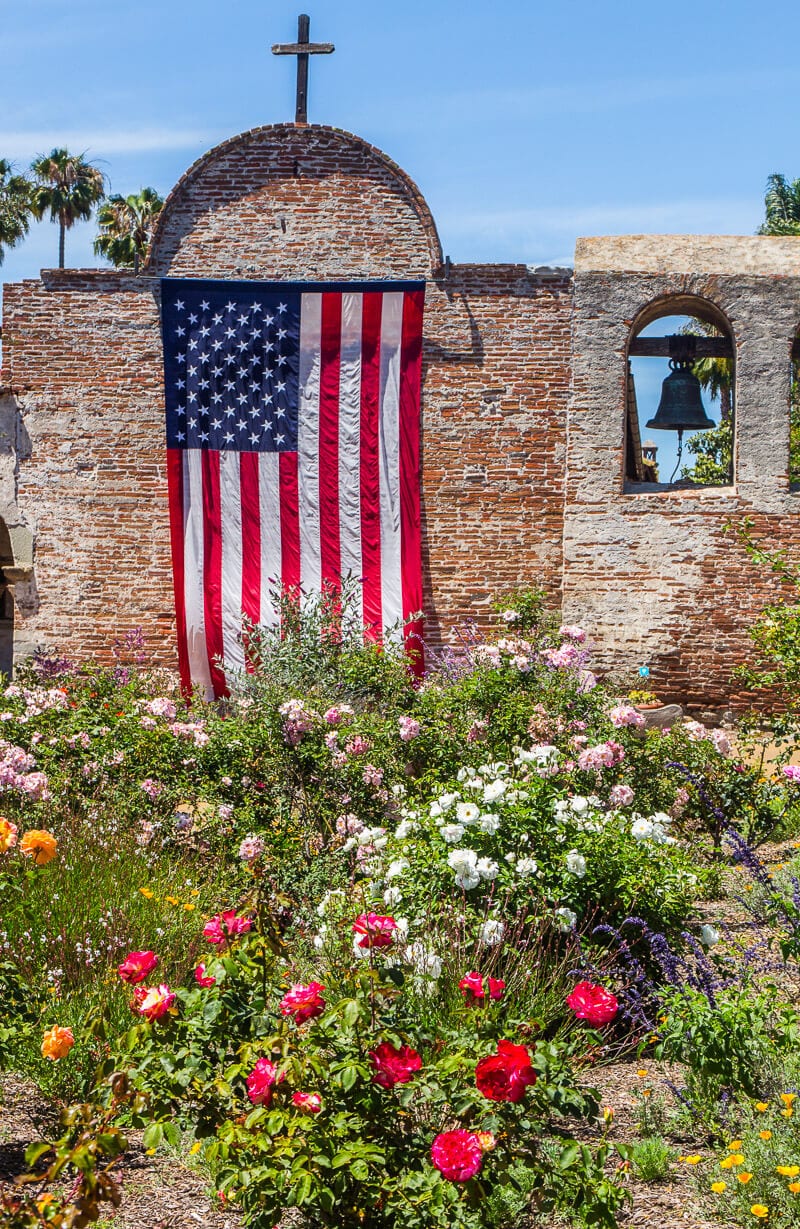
column 524, row 124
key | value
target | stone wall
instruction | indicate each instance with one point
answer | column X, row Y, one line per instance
column 654, row 572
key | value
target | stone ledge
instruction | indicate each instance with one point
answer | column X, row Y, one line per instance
column 761, row 255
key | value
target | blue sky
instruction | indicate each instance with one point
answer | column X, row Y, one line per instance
column 524, row 124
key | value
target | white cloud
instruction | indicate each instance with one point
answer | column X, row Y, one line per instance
column 27, row 144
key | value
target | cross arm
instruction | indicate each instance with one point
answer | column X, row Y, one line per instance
column 302, row 48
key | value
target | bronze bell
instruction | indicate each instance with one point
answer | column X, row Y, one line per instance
column 681, row 406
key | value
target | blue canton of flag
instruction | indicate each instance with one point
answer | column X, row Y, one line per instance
column 231, row 367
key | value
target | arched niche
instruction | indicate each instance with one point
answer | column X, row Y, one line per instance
column 679, row 331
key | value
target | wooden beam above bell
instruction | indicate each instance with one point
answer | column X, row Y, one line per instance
column 664, row 347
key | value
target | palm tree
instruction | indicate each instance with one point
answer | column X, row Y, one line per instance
column 67, row 187
column 15, row 207
column 126, row 227
column 782, row 207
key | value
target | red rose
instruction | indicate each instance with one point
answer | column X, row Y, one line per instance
column 376, row 929
column 504, row 1076
column 303, row 1002
column 136, row 966
column 474, row 987
column 393, row 1066
column 457, row 1155
column 593, row 1004
column 261, row 1081
column 202, row 978
column 307, row 1102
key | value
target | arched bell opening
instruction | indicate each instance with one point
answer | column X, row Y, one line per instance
column 680, row 396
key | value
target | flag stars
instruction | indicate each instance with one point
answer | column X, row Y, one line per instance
column 228, row 437
column 180, row 331
column 193, row 344
column 192, row 397
column 216, row 423
column 281, row 307
column 255, row 307
column 217, row 319
column 192, row 422
column 180, row 384
column 193, row 318
column 205, row 306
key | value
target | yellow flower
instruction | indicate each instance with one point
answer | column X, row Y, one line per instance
column 765, row 1135
column 694, row 1159
column 787, row 1113
column 642, row 1072
column 735, row 1145
column 787, row 1171
column 172, row 900
column 41, row 846
column 195, row 1148
column 646, row 1092
column 189, row 907
column 744, row 1177
column 760, row 1210
column 719, row 1187
column 728, row 1163
column 787, row 1098
column 146, row 893
column 794, row 1187
column 761, row 1106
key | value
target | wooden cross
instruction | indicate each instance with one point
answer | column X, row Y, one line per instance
column 302, row 49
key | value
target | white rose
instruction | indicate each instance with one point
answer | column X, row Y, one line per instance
column 487, row 869
column 392, row 896
column 452, row 833
column 491, row 932
column 494, row 790
column 709, row 936
column 467, row 812
column 447, row 800
column 424, row 960
column 566, row 919
column 397, row 867
column 489, row 823
column 641, row 829
column 579, row 805
column 404, row 829
column 467, row 879
column 527, row 867
column 576, row 863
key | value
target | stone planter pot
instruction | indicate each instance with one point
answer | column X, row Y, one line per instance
column 660, row 716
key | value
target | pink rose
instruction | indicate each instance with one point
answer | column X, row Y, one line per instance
column 303, row 1002
column 307, row 1102
column 377, row 930
column 226, row 926
column 261, row 1081
column 474, row 987
column 457, row 1155
column 393, row 1065
column 153, row 1002
column 202, row 978
column 137, row 965
column 593, row 1003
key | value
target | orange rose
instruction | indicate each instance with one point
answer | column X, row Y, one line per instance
column 41, row 846
column 57, row 1042
column 8, row 835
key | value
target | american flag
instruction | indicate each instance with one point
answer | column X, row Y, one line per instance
column 293, row 423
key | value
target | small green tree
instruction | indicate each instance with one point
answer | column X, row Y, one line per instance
column 781, row 206
column 126, row 227
column 15, row 207
column 67, row 187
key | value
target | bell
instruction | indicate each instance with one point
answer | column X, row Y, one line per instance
column 681, row 406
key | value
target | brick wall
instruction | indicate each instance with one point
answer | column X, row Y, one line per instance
column 82, row 358
column 523, row 415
